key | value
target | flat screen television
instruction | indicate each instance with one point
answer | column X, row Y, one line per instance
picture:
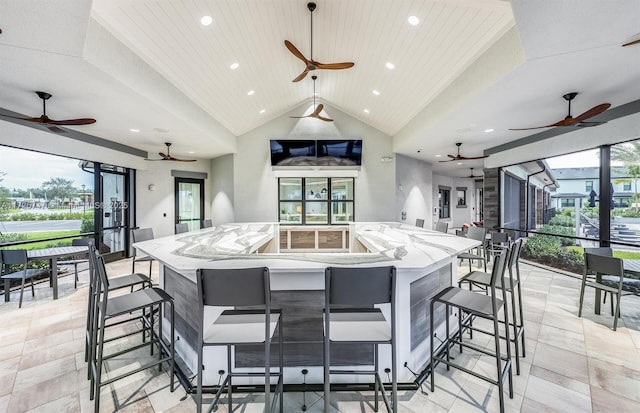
column 289, row 152
column 344, row 152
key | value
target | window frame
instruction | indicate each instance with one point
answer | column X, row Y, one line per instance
column 328, row 201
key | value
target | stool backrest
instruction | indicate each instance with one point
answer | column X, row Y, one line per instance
column 420, row 223
column 514, row 253
column 605, row 251
column 234, row 287
column 360, row 286
column 498, row 269
column 13, row 257
column 499, row 237
column 142, row 234
column 601, row 264
column 477, row 233
column 442, row 226
column 207, row 223
column 182, row 227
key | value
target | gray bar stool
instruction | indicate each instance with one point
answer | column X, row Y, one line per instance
column 115, row 283
column 351, row 318
column 80, row 258
column 139, row 235
column 442, row 226
column 470, row 304
column 478, row 234
column 239, row 288
column 148, row 300
column 513, row 286
column 207, row 223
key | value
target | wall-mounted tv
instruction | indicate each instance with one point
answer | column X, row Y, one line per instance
column 292, row 152
column 344, row 152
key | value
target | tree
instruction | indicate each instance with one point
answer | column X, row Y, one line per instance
column 59, row 188
column 5, row 202
column 629, row 154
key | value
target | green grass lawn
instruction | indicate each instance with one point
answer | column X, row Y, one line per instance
column 625, row 255
column 47, row 234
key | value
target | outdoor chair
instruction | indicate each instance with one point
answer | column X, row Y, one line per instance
column 17, row 258
column 140, row 235
column 182, row 228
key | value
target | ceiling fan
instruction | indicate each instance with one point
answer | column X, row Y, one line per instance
column 472, row 175
column 51, row 123
column 318, row 109
column 168, row 157
column 632, row 42
column 459, row 157
column 578, row 120
column 310, row 63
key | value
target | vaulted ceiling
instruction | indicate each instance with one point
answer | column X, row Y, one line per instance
column 466, row 67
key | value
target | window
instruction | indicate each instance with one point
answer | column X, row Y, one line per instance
column 444, row 197
column 567, row 202
column 588, row 186
column 462, row 197
column 626, row 186
column 309, row 201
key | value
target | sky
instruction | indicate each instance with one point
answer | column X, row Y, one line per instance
column 576, row 160
column 28, row 169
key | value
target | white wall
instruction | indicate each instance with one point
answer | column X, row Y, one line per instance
column 458, row 216
column 153, row 205
column 413, row 191
column 222, row 183
column 256, row 185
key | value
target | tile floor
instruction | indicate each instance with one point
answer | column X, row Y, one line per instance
column 572, row 364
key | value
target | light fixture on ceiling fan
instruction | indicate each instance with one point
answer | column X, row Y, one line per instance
column 316, row 109
column 310, row 63
column 168, row 157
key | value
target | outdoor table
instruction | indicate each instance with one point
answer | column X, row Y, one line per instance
column 52, row 254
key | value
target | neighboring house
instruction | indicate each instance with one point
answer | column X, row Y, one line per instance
column 575, row 184
column 526, row 197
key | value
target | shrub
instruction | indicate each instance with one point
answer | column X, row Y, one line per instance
column 12, row 237
column 87, row 225
column 558, row 230
column 548, row 250
column 563, row 221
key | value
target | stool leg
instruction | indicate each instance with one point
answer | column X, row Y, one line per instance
column 199, row 380
column 159, row 334
column 431, row 350
column 173, row 348
column 230, row 378
column 446, row 339
column 515, row 328
column 327, row 376
column 376, row 385
column 496, row 333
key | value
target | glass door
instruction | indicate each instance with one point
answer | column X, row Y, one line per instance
column 114, row 204
column 189, row 196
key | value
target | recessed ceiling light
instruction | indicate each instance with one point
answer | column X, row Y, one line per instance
column 366, row 111
column 438, row 156
column 262, row 111
column 413, row 20
column 489, row 130
column 134, row 130
column 375, row 92
column 390, row 65
column 206, row 20
column 251, row 92
column 192, row 152
column 234, row 66
column 459, row 163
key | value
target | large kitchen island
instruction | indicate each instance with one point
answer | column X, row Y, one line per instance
column 424, row 260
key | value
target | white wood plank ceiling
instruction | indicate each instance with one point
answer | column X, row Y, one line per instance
column 168, row 35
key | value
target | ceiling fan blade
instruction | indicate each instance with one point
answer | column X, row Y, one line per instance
column 149, row 159
column 470, row 158
column 182, row 160
column 81, row 121
column 596, row 110
column 295, row 51
column 452, row 156
column 163, row 155
column 334, row 66
column 539, row 127
column 449, row 160
column 589, row 124
column 324, row 119
column 631, row 43
column 56, row 129
column 318, row 109
column 301, row 75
